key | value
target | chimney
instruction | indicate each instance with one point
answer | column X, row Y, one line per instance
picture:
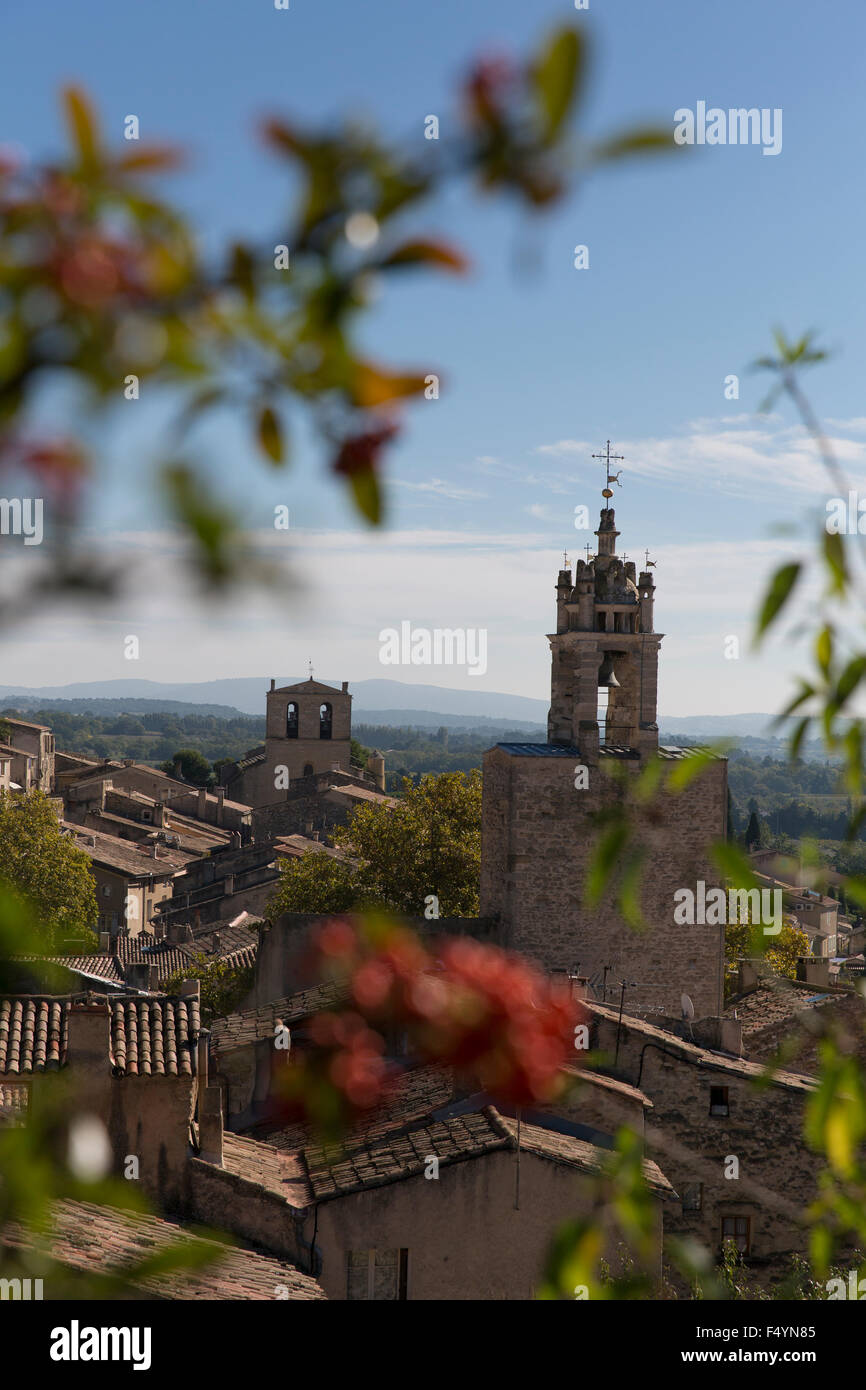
column 813, row 970
column 190, row 989
column 747, row 977
column 220, row 796
column 273, row 684
column 210, row 1125
column 201, row 809
column 105, row 942
column 217, row 943
column 88, row 1024
column 345, row 687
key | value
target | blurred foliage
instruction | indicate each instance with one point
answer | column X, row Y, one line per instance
column 835, row 1117
column 104, row 287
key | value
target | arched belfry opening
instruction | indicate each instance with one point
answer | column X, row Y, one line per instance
column 292, row 721
column 326, row 720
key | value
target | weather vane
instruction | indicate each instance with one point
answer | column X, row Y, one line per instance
column 607, row 458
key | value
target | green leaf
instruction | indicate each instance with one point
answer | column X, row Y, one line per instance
column 270, row 435
column 798, row 735
column 777, row 595
column 648, row 140
column 849, row 680
column 82, row 127
column 824, row 650
column 424, row 252
column 834, row 558
column 557, row 76
column 367, row 494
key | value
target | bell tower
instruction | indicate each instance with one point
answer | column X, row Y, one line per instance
column 543, row 803
column 604, row 642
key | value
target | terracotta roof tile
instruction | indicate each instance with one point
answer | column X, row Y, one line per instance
column 102, row 1240
column 154, row 1037
column 237, row 1030
column 32, row 1035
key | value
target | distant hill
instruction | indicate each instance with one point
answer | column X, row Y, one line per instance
column 374, row 701
column 246, row 694
column 118, row 706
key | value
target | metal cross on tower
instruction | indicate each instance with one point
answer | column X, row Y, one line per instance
column 607, row 458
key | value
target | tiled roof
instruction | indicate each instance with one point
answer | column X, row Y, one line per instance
column 237, row 1030
column 122, row 855
column 32, row 1035
column 98, row 966
column 282, row 1173
column 334, row 1172
column 233, row 935
column 104, row 1241
column 362, row 794
column 128, row 948
column 143, row 1036
column 296, row 845
column 154, row 1037
column 414, row 1096
column 778, row 1000
column 712, row 1061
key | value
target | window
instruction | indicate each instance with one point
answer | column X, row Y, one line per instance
column 325, row 721
column 719, row 1100
column 377, row 1275
column 692, row 1196
column 106, row 890
column 739, row 1230
column 308, row 769
column 292, row 721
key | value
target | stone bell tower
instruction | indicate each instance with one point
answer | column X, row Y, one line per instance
column 604, row 640
column 543, row 804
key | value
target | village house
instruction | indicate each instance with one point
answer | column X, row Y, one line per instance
column 130, row 880
column 33, row 769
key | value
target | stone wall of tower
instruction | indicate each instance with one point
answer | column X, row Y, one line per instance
column 538, row 841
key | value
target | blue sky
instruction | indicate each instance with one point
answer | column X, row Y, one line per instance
column 693, row 259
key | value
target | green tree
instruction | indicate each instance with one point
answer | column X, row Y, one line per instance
column 753, row 832
column 315, row 882
column 222, row 986
column 192, row 765
column 38, row 862
column 429, row 844
column 360, row 754
column 780, row 952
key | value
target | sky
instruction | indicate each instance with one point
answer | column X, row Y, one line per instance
column 693, row 259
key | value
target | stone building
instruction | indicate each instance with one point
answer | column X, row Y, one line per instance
column 307, row 748
column 542, row 801
column 33, row 745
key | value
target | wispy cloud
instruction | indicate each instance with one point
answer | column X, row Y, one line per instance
column 440, row 488
column 744, row 456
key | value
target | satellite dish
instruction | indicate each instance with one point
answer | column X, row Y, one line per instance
column 687, row 1007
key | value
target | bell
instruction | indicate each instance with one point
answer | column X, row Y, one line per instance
column 606, row 675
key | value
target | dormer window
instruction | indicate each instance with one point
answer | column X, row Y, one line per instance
column 325, row 721
column 292, row 721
